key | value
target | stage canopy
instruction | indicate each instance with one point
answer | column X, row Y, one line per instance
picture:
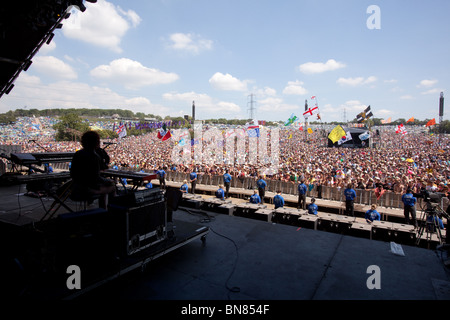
column 355, row 141
column 24, row 27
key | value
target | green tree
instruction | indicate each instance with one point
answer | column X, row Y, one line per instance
column 71, row 127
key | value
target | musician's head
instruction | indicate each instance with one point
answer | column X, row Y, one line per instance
column 90, row 140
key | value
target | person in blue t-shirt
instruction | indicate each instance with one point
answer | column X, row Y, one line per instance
column 184, row 187
column 220, row 194
column 312, row 207
column 409, row 207
column 255, row 197
column 162, row 177
column 149, row 185
column 301, row 195
column 372, row 214
column 350, row 195
column 193, row 178
column 261, row 184
column 278, row 200
column 227, row 182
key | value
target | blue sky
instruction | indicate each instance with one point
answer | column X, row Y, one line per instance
column 158, row 56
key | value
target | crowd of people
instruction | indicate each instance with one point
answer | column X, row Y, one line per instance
column 413, row 161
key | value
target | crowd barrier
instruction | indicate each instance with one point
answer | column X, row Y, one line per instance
column 364, row 197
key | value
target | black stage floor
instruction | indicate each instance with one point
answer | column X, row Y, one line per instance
column 247, row 259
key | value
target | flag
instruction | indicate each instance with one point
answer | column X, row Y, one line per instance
column 313, row 97
column 345, row 138
column 164, row 133
column 300, row 128
column 336, row 134
column 410, row 120
column 122, row 131
column 310, row 130
column 364, row 136
column 291, row 120
column 386, row 121
column 253, row 131
column 363, row 116
column 311, row 111
column 290, row 136
column 401, row 129
column 431, row 122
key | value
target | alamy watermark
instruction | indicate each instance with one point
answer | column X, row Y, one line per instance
column 374, row 20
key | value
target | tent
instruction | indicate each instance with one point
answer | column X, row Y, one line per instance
column 355, row 142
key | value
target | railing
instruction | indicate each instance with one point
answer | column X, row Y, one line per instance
column 365, row 197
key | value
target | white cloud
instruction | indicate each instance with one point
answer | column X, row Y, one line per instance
column 208, row 106
column 31, row 92
column 132, row 74
column 427, row 83
column 53, row 67
column 406, row 97
column 275, row 105
column 353, row 82
column 227, row 82
column 319, row 67
column 295, row 87
column 433, row 91
column 189, row 42
column 354, row 105
column 102, row 24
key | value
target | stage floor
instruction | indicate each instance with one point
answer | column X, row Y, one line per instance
column 247, row 259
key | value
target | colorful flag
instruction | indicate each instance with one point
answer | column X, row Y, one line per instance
column 386, row 121
column 311, row 111
column 310, row 130
column 431, row 122
column 345, row 138
column 300, row 128
column 336, row 134
column 410, row 120
column 291, row 120
column 253, row 131
column 364, row 136
column 363, row 116
column 122, row 131
column 164, row 133
column 401, row 129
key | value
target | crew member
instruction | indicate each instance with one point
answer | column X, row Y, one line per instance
column 409, row 207
column 85, row 170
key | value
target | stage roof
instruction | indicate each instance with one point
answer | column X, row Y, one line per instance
column 24, row 27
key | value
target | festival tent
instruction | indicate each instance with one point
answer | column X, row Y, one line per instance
column 355, row 141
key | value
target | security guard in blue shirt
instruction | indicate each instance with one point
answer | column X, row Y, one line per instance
column 312, row 207
column 350, row 195
column 409, row 207
column 220, row 194
column 261, row 184
column 255, row 197
column 372, row 214
column 278, row 200
column 193, row 178
column 227, row 182
column 302, row 195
